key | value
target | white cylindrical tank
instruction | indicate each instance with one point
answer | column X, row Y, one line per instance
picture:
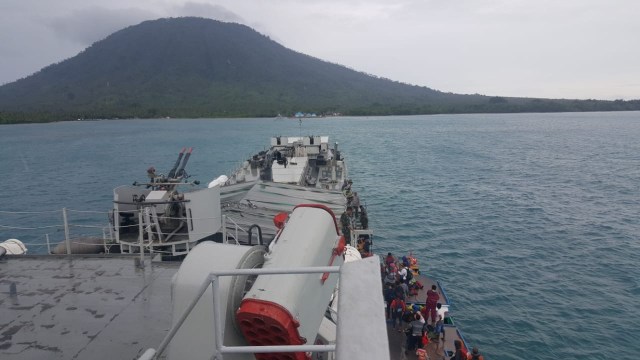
column 288, row 309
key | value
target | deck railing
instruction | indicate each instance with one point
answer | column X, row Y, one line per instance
column 52, row 223
column 69, row 227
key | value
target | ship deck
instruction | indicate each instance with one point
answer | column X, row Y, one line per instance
column 82, row 307
column 105, row 307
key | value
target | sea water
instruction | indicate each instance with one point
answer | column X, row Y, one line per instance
column 530, row 221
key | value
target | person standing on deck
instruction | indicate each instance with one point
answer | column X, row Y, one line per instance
column 151, row 173
column 400, row 290
column 345, row 222
column 364, row 219
column 397, row 309
column 440, row 311
column 390, row 278
column 461, row 354
column 349, row 195
column 439, row 329
column 416, row 332
column 346, row 184
column 389, row 296
column 430, row 304
column 475, row 354
column 402, row 273
column 390, row 259
column 355, row 202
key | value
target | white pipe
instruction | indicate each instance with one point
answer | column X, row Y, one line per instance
column 275, row 271
column 224, row 229
column 140, row 238
column 148, row 355
column 217, row 323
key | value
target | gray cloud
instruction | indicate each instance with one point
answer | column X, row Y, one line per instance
column 206, row 10
column 88, row 25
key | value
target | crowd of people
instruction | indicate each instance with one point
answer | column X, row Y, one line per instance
column 421, row 324
column 400, row 284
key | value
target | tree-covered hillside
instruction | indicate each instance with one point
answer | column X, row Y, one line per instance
column 193, row 67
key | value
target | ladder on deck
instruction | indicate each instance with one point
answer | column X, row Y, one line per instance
column 150, row 223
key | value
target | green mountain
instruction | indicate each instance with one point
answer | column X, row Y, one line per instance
column 194, row 67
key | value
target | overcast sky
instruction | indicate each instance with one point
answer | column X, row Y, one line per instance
column 535, row 48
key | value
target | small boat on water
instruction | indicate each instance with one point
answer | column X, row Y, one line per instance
column 266, row 247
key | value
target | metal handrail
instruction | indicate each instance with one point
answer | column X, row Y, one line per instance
column 213, row 280
column 236, row 227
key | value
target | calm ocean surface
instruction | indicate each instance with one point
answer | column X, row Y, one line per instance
column 531, row 221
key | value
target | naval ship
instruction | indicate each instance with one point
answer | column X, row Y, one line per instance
column 257, row 265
